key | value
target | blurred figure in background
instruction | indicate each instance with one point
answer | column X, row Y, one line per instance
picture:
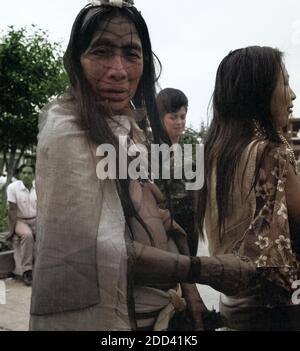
column 21, row 197
column 172, row 106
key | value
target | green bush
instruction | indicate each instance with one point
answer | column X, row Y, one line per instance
column 3, row 214
column 4, row 244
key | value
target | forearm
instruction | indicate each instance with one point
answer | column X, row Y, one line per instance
column 156, row 266
column 226, row 273
column 12, row 219
column 195, row 305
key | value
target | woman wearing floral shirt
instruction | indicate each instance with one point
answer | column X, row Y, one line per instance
column 250, row 200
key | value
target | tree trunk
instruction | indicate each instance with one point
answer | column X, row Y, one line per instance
column 3, row 161
column 19, row 158
column 11, row 165
column 2, row 166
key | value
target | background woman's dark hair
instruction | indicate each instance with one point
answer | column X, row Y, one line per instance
column 91, row 113
column 170, row 100
column 245, row 81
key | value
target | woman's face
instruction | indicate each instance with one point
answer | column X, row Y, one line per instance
column 282, row 100
column 113, row 63
column 174, row 123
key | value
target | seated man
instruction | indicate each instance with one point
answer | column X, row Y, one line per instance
column 21, row 197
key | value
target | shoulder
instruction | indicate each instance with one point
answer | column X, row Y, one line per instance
column 15, row 185
column 266, row 148
column 58, row 118
column 14, row 188
column 273, row 159
column 59, row 127
column 273, row 150
column 63, row 145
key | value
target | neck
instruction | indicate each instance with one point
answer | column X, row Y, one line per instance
column 175, row 140
column 28, row 186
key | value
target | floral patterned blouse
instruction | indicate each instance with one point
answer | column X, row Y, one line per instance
column 268, row 239
column 259, row 225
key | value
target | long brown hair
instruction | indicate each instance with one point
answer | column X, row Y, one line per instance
column 92, row 115
column 245, row 82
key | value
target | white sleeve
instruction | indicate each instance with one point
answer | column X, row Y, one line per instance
column 11, row 194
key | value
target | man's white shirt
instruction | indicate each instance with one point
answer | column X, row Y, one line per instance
column 26, row 200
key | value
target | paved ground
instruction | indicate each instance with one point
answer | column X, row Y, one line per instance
column 14, row 314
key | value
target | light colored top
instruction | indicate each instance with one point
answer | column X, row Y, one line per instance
column 81, row 269
column 24, row 198
column 81, row 265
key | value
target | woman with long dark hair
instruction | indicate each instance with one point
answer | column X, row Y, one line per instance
column 250, row 200
column 108, row 258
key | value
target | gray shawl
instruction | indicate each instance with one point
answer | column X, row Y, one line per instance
column 70, row 225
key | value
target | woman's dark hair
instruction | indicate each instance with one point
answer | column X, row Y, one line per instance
column 170, row 100
column 91, row 114
column 245, row 82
